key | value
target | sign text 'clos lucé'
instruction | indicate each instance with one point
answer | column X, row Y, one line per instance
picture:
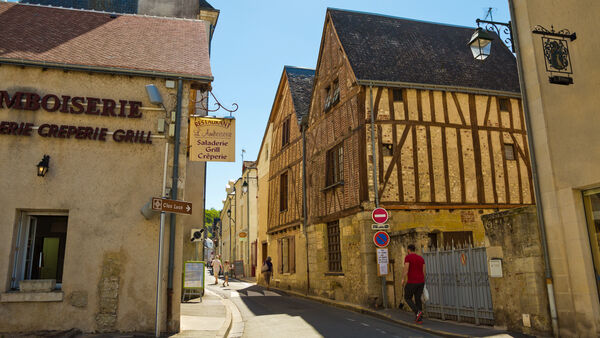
column 76, row 105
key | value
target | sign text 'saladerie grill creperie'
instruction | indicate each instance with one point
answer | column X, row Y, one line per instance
column 212, row 139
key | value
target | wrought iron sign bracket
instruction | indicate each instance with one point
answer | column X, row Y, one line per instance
column 492, row 26
column 556, row 53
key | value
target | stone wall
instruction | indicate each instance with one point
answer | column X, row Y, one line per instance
column 519, row 296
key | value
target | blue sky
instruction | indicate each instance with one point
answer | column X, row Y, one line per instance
column 255, row 39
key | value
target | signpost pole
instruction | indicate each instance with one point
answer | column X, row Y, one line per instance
column 159, row 276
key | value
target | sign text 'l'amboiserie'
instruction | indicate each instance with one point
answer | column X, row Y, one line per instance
column 76, row 105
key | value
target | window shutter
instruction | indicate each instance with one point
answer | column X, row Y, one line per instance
column 279, row 256
column 292, row 254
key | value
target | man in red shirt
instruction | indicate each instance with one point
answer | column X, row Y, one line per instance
column 414, row 281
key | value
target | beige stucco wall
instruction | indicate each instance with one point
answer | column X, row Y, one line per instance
column 564, row 123
column 262, row 167
column 102, row 186
column 247, row 218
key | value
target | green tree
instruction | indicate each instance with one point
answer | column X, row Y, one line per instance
column 209, row 216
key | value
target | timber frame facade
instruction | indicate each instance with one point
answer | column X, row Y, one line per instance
column 285, row 210
column 450, row 145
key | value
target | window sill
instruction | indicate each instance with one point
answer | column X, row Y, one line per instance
column 25, row 297
column 334, row 274
column 331, row 186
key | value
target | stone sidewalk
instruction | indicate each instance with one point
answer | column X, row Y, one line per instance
column 208, row 316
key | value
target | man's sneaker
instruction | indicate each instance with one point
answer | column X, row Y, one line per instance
column 419, row 319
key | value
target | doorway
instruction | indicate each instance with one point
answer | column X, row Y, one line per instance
column 264, row 253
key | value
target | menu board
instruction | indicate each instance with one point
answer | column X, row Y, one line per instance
column 193, row 275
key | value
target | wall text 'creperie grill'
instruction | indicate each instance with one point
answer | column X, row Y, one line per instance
column 72, row 105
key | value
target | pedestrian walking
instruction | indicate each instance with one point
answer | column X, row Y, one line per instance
column 413, row 281
column 216, row 265
column 267, row 270
column 227, row 271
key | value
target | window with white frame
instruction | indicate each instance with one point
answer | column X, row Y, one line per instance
column 40, row 247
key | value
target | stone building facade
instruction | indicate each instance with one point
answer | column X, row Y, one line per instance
column 448, row 147
column 563, row 128
column 79, row 226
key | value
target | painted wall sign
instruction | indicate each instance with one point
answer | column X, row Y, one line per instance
column 212, row 139
column 65, row 104
column 71, row 105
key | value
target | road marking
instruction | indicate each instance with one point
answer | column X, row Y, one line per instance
column 350, row 319
column 234, row 294
column 363, row 324
column 254, row 293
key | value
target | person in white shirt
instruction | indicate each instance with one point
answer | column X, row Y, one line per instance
column 216, row 265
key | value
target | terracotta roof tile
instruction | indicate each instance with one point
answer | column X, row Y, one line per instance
column 87, row 38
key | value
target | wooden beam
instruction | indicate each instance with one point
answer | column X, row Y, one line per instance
column 430, row 160
column 526, row 147
column 416, row 164
column 493, row 165
column 395, row 161
column 445, row 160
column 432, row 105
column 476, row 150
column 460, row 113
column 504, row 164
column 461, row 167
column 487, row 111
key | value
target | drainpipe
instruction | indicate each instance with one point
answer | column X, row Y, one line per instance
column 534, row 174
column 375, row 184
column 174, row 196
column 304, row 205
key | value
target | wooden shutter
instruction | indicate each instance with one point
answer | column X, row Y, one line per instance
column 279, row 256
column 292, row 254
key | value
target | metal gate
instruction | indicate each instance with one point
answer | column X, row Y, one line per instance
column 458, row 285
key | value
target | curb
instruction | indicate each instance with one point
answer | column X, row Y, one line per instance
column 226, row 327
column 360, row 309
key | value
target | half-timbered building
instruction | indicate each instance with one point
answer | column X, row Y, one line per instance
column 449, row 145
column 285, row 208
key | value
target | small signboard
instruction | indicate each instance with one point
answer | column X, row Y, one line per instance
column 382, row 256
column 463, row 259
column 193, row 275
column 166, row 205
column 496, row 268
column 379, row 215
column 238, row 268
column 381, row 239
column 378, row 226
column 212, row 139
column 382, row 262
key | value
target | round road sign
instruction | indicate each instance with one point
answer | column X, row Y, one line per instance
column 381, row 239
column 380, row 215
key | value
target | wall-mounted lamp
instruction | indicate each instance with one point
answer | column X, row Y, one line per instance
column 42, row 167
column 245, row 187
column 228, row 212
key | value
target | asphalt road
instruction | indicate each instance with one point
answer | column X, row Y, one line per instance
column 275, row 314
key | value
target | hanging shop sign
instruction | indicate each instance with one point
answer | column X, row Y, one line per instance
column 556, row 54
column 64, row 104
column 212, row 139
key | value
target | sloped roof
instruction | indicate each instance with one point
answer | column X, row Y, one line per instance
column 66, row 37
column 301, row 82
column 118, row 6
column 205, row 5
column 384, row 48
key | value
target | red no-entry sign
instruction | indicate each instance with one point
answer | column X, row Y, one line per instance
column 381, row 239
column 380, row 215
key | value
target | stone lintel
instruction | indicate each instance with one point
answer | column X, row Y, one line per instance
column 21, row 297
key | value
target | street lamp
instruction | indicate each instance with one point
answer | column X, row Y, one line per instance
column 481, row 44
column 43, row 166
